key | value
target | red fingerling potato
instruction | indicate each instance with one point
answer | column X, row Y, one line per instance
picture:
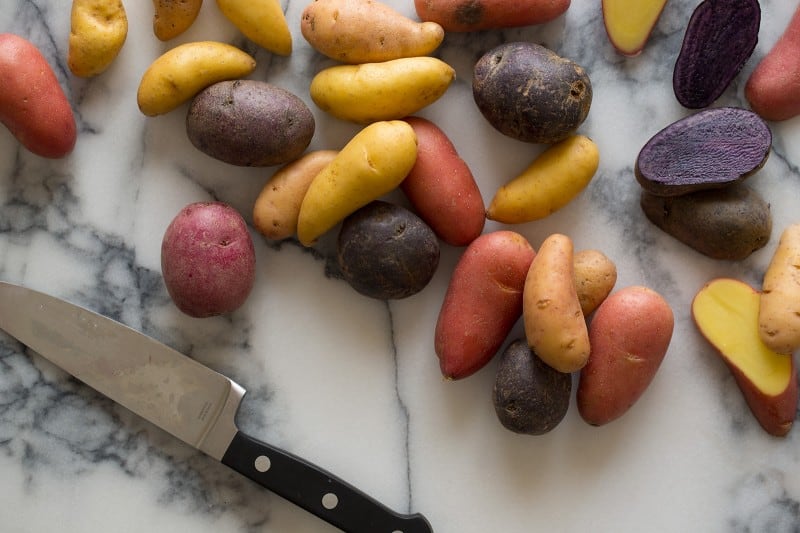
column 32, row 104
column 629, row 336
column 482, row 302
column 441, row 187
column 475, row 15
column 773, row 89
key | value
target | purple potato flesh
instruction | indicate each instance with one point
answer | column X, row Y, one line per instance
column 719, row 39
column 708, row 150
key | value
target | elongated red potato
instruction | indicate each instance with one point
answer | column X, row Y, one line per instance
column 482, row 302
column 773, row 88
column 629, row 337
column 441, row 187
column 476, row 15
column 33, row 105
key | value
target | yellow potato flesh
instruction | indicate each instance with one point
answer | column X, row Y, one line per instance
column 180, row 73
column 372, row 164
column 261, row 21
column 381, row 91
column 629, row 22
column 98, row 29
column 726, row 313
column 548, row 184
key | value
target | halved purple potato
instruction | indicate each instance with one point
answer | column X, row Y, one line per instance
column 708, row 150
column 719, row 39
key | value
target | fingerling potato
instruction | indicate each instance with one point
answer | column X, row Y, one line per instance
column 98, row 29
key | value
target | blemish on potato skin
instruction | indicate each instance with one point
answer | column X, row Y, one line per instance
column 469, row 13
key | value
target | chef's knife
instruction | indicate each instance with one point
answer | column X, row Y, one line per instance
column 188, row 400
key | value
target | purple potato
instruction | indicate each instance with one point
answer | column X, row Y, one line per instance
column 708, row 150
column 530, row 93
column 529, row 396
column 726, row 224
column 719, row 39
column 387, row 252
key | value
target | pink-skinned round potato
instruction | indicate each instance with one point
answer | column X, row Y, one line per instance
column 629, row 337
column 208, row 259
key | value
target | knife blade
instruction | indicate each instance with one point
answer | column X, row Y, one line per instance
column 188, row 400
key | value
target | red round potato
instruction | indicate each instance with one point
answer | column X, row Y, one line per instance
column 629, row 337
column 476, row 15
column 441, row 187
column 482, row 303
column 32, row 104
column 208, row 259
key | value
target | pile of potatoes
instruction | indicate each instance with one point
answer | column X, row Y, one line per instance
column 574, row 321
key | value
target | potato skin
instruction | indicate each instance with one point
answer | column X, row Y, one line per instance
column 550, row 182
column 208, row 259
column 529, row 396
column 530, row 93
column 477, row 15
column 771, row 90
column 554, row 323
column 386, row 252
column 482, row 303
column 277, row 206
column 441, row 187
column 173, row 17
column 178, row 74
column 366, row 31
column 98, row 29
column 389, row 90
column 725, row 224
column 629, row 334
column 249, row 123
column 595, row 277
column 261, row 21
column 779, row 309
column 372, row 164
column 33, row 105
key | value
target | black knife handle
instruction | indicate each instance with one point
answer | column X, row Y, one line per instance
column 315, row 490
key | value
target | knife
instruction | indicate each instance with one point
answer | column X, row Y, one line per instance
column 188, row 400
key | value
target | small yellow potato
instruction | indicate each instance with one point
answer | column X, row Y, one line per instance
column 261, row 21
column 381, row 91
column 595, row 277
column 182, row 72
column 555, row 326
column 98, row 29
column 366, row 31
column 373, row 163
column 278, row 204
column 551, row 181
column 173, row 17
column 779, row 310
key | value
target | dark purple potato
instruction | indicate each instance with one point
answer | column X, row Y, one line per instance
column 529, row 396
column 387, row 252
column 719, row 39
column 708, row 150
column 727, row 224
column 530, row 93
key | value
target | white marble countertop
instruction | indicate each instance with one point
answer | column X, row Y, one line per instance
column 351, row 383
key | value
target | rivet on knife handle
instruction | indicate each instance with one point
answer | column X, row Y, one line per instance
column 316, row 490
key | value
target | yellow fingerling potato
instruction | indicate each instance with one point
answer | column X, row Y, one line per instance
column 595, row 277
column 261, row 21
column 779, row 310
column 182, row 72
column 278, row 204
column 554, row 323
column 554, row 178
column 381, row 91
column 366, row 31
column 173, row 17
column 98, row 29
column 373, row 163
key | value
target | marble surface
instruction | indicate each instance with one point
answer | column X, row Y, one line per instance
column 350, row 383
